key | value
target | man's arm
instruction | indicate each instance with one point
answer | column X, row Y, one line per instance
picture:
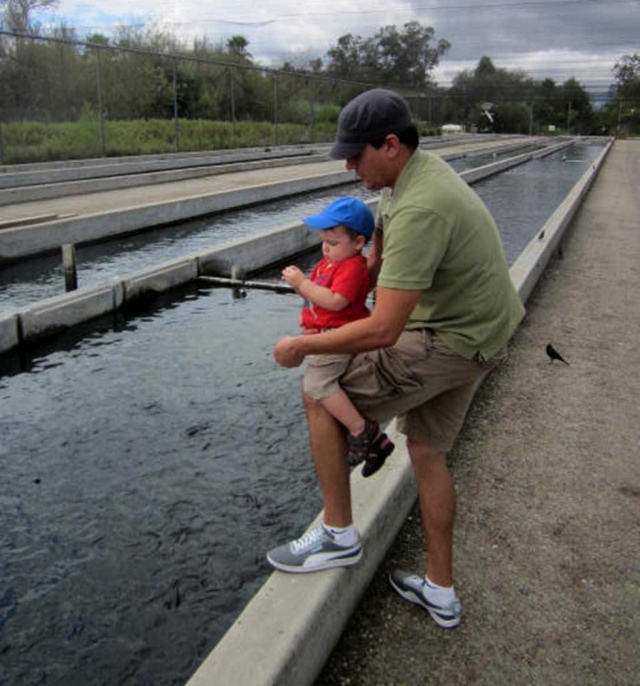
column 374, row 258
column 382, row 329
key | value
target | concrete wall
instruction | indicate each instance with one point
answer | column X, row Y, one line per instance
column 22, row 241
column 51, row 315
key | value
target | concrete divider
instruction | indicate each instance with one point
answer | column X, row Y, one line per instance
column 161, row 278
column 51, row 315
column 17, row 194
column 287, row 631
column 9, row 331
column 99, row 169
column 252, row 254
column 473, row 175
column 46, row 237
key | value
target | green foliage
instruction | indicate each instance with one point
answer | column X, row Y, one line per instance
column 57, row 84
column 35, row 142
column 390, row 57
column 627, row 76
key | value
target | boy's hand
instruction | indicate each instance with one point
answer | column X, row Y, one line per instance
column 293, row 276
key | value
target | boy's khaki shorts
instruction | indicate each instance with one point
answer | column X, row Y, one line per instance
column 321, row 379
column 420, row 381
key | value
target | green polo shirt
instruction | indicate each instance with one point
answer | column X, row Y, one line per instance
column 439, row 238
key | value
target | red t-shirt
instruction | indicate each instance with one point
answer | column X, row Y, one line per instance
column 349, row 278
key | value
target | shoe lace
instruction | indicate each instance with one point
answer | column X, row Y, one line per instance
column 307, row 540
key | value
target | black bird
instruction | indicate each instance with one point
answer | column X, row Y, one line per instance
column 554, row 354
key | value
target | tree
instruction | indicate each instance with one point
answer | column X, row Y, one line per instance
column 578, row 106
column 390, row 57
column 627, row 76
column 237, row 47
column 623, row 111
column 17, row 15
column 509, row 91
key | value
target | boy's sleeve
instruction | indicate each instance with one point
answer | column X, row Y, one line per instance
column 349, row 278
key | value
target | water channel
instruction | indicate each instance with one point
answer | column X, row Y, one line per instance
column 150, row 459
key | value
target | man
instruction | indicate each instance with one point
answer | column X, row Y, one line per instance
column 445, row 308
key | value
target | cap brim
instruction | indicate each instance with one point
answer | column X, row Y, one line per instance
column 320, row 222
column 342, row 150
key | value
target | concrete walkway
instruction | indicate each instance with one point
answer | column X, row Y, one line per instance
column 547, row 548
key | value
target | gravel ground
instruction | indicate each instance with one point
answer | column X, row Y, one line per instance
column 548, row 480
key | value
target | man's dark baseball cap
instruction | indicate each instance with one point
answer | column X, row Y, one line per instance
column 370, row 116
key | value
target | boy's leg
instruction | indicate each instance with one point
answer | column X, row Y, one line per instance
column 340, row 407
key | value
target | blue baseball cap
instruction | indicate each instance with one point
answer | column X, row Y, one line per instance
column 350, row 212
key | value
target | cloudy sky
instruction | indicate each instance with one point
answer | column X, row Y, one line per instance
column 546, row 38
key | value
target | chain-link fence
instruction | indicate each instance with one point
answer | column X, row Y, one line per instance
column 66, row 99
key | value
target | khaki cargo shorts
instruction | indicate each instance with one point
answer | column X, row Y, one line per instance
column 321, row 378
column 420, row 381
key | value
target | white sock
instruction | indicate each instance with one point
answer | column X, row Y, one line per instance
column 439, row 595
column 346, row 536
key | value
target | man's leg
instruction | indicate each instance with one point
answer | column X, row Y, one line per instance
column 435, row 592
column 329, row 449
column 438, row 508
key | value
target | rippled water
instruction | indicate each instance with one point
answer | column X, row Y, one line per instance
column 150, row 459
column 146, row 468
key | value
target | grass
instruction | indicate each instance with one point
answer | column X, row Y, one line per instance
column 37, row 142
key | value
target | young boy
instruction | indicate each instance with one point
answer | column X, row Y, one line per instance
column 335, row 293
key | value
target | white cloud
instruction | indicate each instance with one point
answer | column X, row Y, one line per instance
column 592, row 35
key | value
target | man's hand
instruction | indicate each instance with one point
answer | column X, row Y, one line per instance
column 293, row 276
column 286, row 354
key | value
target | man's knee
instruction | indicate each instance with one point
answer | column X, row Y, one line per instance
column 424, row 455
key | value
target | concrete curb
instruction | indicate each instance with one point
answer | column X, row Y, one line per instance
column 287, row 631
column 27, row 175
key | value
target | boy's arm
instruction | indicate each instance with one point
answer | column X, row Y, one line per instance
column 315, row 294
